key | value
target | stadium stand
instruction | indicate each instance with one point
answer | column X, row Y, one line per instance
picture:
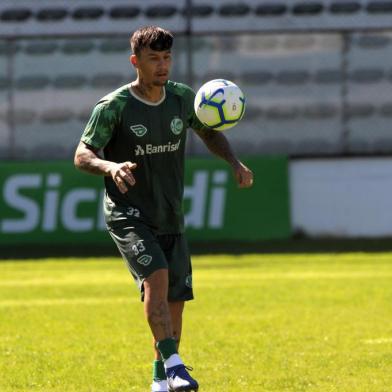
column 85, row 16
column 51, row 14
column 304, row 90
column 69, row 81
column 124, row 12
column 344, row 7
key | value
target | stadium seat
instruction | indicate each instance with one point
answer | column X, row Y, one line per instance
column 328, row 76
column 56, row 116
column 359, row 145
column 292, row 77
column 360, row 110
column 379, row 7
column 69, row 81
column 47, row 150
column 319, row 111
column 128, row 12
column 344, row 7
column 256, row 77
column 367, row 75
column 7, row 48
column 383, row 145
column 263, row 43
column 235, row 9
column 308, row 8
column 77, row 46
column 198, row 10
column 87, row 13
column 277, row 146
column 24, row 116
column 253, row 112
column 4, row 83
column 368, row 41
column 16, row 15
column 386, row 109
column 314, row 146
column 40, row 48
column 107, row 80
column 298, row 42
column 32, row 82
column 114, row 45
column 198, row 44
column 281, row 113
column 51, row 14
column 160, row 11
column 270, row 9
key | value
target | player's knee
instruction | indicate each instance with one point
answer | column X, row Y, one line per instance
column 156, row 285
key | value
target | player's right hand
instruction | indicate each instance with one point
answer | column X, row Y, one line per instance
column 122, row 175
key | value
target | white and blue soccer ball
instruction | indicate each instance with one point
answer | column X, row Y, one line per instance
column 219, row 104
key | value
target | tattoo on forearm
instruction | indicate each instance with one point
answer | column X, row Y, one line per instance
column 86, row 163
column 217, row 144
column 87, row 160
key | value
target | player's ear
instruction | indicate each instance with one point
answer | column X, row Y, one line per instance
column 133, row 60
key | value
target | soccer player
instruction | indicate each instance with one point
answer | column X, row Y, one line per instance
column 141, row 128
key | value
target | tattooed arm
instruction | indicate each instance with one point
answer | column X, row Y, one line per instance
column 217, row 143
column 87, row 160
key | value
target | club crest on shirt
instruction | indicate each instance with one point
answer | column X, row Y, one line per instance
column 176, row 125
column 139, row 130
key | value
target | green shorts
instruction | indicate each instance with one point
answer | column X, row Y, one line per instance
column 145, row 252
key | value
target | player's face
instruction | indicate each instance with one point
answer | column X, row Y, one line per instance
column 153, row 66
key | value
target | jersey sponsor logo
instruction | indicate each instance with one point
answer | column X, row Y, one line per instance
column 144, row 260
column 139, row 130
column 150, row 149
column 176, row 125
column 139, row 150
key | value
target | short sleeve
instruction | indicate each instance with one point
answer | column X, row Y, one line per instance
column 100, row 127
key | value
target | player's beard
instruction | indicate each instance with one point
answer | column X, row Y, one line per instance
column 160, row 83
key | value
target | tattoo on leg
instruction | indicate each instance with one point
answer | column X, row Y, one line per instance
column 160, row 319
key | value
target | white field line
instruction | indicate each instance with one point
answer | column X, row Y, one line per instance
column 378, row 341
column 68, row 280
column 297, row 275
column 64, row 301
column 200, row 278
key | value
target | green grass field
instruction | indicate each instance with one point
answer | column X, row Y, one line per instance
column 317, row 322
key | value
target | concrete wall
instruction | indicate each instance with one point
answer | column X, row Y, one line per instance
column 343, row 198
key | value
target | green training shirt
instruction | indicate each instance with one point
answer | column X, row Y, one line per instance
column 153, row 135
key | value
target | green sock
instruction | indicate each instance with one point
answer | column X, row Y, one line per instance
column 158, row 371
column 167, row 348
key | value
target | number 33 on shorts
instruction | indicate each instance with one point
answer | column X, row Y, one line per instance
column 139, row 248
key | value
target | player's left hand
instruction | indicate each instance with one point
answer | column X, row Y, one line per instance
column 243, row 175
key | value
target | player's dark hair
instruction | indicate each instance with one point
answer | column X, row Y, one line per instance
column 152, row 37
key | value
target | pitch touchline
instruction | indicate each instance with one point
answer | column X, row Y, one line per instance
column 201, row 278
column 304, row 275
column 64, row 282
column 65, row 301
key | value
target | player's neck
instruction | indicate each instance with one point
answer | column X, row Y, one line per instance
column 147, row 91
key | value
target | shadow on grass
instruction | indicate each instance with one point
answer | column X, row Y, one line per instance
column 302, row 245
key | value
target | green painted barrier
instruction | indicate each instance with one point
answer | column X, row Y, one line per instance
column 53, row 203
